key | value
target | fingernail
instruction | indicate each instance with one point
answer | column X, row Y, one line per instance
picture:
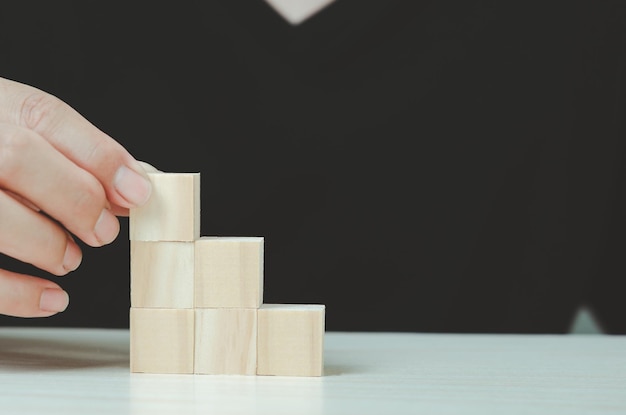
column 73, row 256
column 132, row 186
column 54, row 299
column 107, row 227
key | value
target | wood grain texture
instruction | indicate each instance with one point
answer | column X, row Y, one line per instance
column 173, row 211
column 229, row 272
column 225, row 341
column 290, row 340
column 161, row 340
column 161, row 274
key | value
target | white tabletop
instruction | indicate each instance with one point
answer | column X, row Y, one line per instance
column 86, row 371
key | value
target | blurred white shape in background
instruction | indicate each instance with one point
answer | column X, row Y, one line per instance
column 585, row 322
column 297, row 11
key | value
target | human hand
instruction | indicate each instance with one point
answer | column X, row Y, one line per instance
column 60, row 178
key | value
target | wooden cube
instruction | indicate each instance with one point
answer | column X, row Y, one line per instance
column 290, row 340
column 173, row 211
column 229, row 272
column 161, row 274
column 226, row 341
column 161, row 340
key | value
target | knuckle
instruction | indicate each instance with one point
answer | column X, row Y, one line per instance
column 13, row 146
column 97, row 152
column 40, row 111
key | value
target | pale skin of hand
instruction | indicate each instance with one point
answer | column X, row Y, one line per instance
column 61, row 178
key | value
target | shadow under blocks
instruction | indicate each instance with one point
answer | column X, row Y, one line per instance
column 197, row 301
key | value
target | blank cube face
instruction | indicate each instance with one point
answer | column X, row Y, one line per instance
column 161, row 340
column 290, row 340
column 229, row 272
column 225, row 341
column 161, row 274
column 173, row 211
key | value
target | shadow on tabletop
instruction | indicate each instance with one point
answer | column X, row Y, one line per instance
column 25, row 354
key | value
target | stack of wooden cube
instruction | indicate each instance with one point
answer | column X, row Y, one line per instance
column 197, row 302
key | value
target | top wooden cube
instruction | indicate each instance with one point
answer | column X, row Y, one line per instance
column 173, row 211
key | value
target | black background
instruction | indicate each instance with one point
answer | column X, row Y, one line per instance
column 413, row 165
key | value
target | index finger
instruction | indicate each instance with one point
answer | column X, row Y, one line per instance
column 122, row 176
